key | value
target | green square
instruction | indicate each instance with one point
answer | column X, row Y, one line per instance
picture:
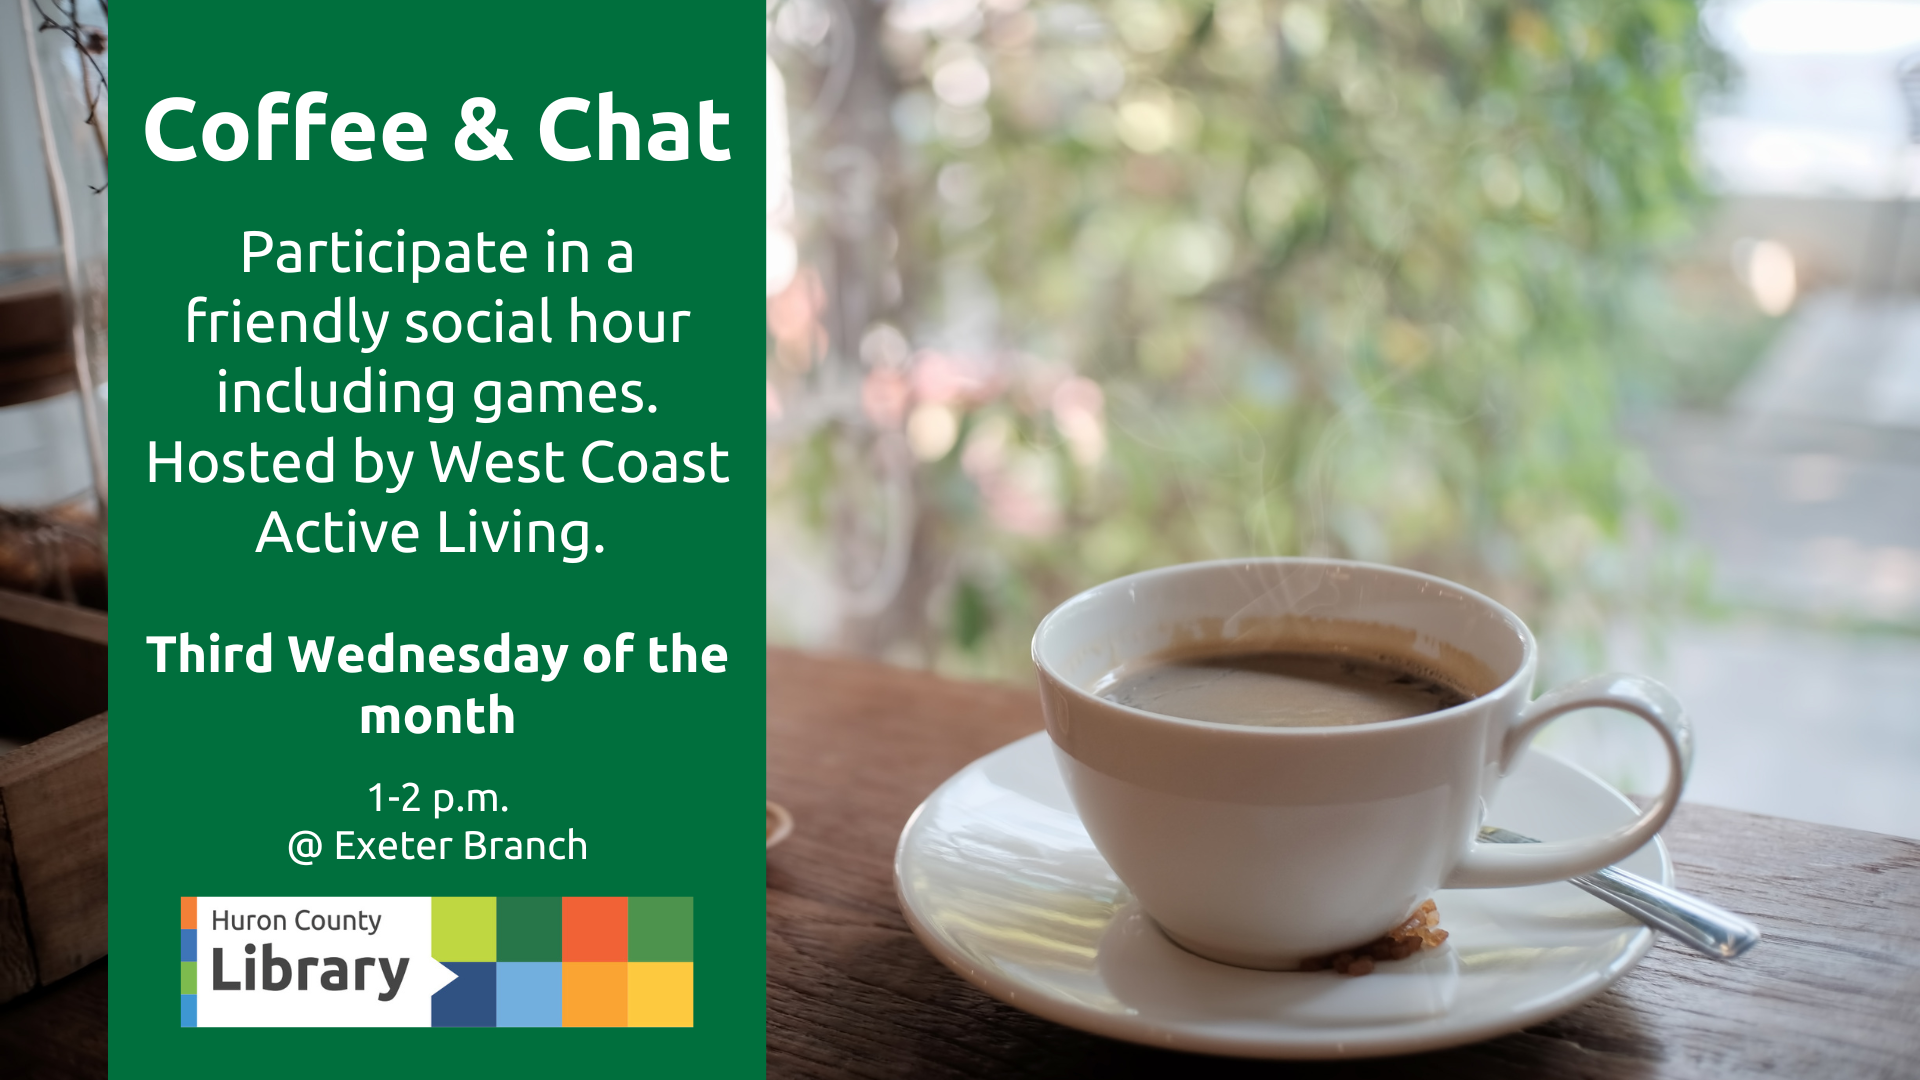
column 189, row 977
column 463, row 928
column 530, row 928
column 659, row 928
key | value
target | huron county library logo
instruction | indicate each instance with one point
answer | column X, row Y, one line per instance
column 440, row 961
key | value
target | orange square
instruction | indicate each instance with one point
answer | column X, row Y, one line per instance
column 189, row 912
column 660, row 994
column 593, row 995
column 593, row 929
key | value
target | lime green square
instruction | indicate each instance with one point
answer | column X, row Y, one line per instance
column 463, row 928
column 189, row 977
column 659, row 928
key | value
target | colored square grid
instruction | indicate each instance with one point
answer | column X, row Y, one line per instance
column 529, row 929
column 467, row 1001
column 594, row 930
column 622, row 961
column 660, row 995
column 463, row 929
column 528, row 994
column 593, row 994
column 660, row 928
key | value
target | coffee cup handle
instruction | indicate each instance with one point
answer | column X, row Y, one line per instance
column 1503, row 865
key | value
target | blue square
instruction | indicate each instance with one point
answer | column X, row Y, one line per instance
column 529, row 994
column 189, row 1011
column 468, row 1000
column 189, row 940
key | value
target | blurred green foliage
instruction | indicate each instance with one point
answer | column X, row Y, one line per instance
column 1180, row 281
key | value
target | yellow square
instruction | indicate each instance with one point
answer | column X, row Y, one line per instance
column 660, row 994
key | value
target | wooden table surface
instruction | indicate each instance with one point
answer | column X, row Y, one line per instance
column 853, row 747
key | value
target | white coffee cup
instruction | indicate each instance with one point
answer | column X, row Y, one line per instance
column 1263, row 846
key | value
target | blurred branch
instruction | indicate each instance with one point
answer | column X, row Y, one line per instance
column 89, row 43
column 1137, row 282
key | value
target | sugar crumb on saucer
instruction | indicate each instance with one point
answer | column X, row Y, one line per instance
column 1420, row 931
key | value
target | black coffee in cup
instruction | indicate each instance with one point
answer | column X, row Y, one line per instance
column 1278, row 686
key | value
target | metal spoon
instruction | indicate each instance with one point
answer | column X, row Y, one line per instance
column 1713, row 931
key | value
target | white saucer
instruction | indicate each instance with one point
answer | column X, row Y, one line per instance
column 999, row 879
